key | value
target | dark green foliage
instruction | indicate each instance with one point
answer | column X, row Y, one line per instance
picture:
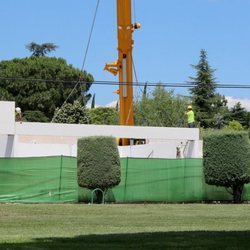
column 93, row 102
column 104, row 116
column 41, row 49
column 144, row 90
column 98, row 162
column 35, row 116
column 41, row 83
column 206, row 101
column 72, row 113
column 162, row 108
column 240, row 114
column 227, row 160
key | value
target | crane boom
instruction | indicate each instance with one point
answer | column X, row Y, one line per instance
column 124, row 65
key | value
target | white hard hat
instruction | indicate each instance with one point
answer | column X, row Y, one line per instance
column 18, row 110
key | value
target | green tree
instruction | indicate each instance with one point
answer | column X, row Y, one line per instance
column 93, row 102
column 34, row 116
column 145, row 90
column 162, row 108
column 206, row 101
column 226, row 159
column 42, row 83
column 98, row 163
column 240, row 114
column 72, row 113
column 235, row 125
column 41, row 49
column 104, row 116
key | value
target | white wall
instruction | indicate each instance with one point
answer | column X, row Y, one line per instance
column 7, row 120
column 7, row 128
column 82, row 130
column 45, row 139
column 190, row 149
column 6, row 145
column 44, row 149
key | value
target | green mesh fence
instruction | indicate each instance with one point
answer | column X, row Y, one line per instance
column 54, row 179
column 160, row 180
column 38, row 179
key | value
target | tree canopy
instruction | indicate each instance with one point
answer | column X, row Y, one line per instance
column 41, row 49
column 240, row 114
column 43, row 84
column 104, row 116
column 74, row 113
column 98, row 163
column 161, row 108
column 227, row 160
column 206, row 101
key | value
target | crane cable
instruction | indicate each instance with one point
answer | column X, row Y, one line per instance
column 134, row 10
column 84, row 61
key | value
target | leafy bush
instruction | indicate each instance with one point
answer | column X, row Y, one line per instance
column 235, row 125
column 35, row 116
column 162, row 108
column 72, row 113
column 227, row 160
column 104, row 115
column 98, row 163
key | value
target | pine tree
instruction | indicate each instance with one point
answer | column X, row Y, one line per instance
column 240, row 114
column 93, row 102
column 205, row 100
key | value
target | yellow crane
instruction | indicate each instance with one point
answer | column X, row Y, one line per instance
column 124, row 65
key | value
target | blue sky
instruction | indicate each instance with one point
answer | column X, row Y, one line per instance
column 173, row 33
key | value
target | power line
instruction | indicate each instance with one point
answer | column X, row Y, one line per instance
column 84, row 60
column 116, row 83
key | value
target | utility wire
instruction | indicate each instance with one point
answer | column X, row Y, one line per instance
column 116, row 83
column 84, row 60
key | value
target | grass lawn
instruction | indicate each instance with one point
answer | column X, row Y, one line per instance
column 154, row 226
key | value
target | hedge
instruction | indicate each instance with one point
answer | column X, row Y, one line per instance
column 98, row 162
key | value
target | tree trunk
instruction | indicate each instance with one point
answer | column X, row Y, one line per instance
column 99, row 196
column 237, row 192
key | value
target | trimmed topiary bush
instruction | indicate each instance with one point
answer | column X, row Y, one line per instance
column 98, row 163
column 227, row 160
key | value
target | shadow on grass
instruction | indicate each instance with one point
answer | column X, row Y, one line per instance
column 157, row 240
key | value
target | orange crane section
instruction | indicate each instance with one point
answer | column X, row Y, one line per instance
column 124, row 65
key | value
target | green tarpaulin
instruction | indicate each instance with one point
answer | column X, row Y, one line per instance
column 38, row 179
column 54, row 179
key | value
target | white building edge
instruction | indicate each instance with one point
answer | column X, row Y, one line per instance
column 28, row 139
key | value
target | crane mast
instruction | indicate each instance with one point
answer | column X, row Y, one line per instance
column 124, row 65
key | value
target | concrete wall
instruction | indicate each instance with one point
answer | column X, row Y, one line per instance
column 6, row 145
column 7, row 120
column 81, row 130
column 7, row 128
column 45, row 139
column 189, row 149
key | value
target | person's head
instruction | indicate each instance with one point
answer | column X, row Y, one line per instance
column 190, row 107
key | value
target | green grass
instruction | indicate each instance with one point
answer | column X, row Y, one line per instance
column 81, row 226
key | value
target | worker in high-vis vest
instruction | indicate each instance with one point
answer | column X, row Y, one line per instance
column 190, row 117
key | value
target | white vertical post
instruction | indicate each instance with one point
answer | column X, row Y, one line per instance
column 7, row 118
